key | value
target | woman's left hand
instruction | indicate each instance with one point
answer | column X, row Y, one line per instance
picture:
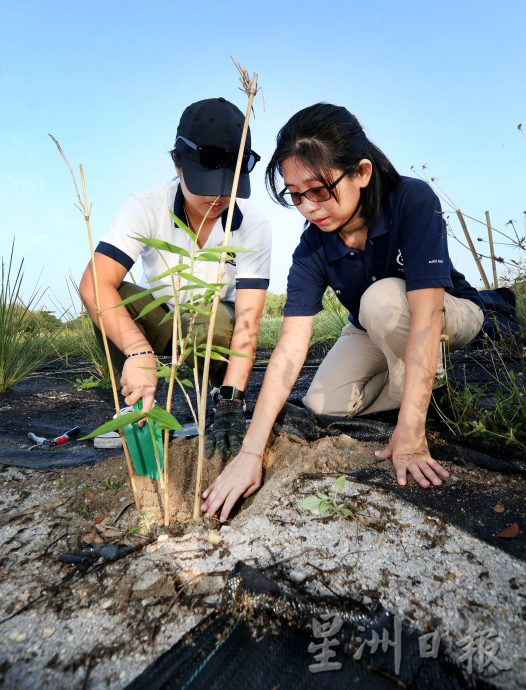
column 411, row 455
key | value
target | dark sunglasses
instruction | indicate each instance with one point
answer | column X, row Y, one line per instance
column 316, row 194
column 213, row 157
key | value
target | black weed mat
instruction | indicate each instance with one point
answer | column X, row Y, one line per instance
column 262, row 638
column 466, row 503
column 55, row 458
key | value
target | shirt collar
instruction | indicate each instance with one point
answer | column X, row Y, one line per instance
column 237, row 217
column 334, row 247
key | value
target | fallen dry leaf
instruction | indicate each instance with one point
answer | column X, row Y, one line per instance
column 498, row 508
column 92, row 538
column 97, row 520
column 510, row 532
column 89, row 495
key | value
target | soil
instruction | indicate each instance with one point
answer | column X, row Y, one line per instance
column 98, row 624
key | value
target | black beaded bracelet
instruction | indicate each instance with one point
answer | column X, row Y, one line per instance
column 136, row 354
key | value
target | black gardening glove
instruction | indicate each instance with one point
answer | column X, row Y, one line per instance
column 228, row 430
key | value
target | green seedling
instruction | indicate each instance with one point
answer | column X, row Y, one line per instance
column 324, row 505
column 92, row 382
column 111, row 485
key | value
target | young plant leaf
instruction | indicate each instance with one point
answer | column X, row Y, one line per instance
column 167, row 317
column 202, row 283
column 220, row 249
column 213, row 355
column 118, row 423
column 163, row 419
column 210, row 257
column 152, row 305
column 340, row 483
column 169, row 272
column 184, row 227
column 162, row 245
column 226, row 351
column 138, row 295
column 311, row 503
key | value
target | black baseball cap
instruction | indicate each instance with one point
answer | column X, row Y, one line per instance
column 211, row 122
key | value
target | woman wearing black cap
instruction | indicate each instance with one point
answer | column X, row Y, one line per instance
column 205, row 152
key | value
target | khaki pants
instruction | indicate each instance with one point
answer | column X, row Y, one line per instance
column 160, row 335
column 364, row 370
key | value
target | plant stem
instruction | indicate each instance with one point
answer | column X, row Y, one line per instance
column 206, row 368
column 173, row 369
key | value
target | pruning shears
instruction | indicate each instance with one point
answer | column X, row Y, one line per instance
column 46, row 443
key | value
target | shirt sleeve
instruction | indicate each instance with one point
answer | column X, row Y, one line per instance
column 424, row 240
column 306, row 282
column 253, row 267
column 135, row 218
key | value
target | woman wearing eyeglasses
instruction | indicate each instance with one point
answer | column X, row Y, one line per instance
column 379, row 240
column 205, row 153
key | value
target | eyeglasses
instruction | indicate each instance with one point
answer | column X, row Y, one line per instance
column 213, row 157
column 321, row 193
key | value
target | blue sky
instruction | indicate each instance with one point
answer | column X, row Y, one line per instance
column 440, row 84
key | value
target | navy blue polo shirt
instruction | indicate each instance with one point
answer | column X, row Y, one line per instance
column 408, row 241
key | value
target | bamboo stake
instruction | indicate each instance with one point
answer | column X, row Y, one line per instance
column 472, row 249
column 492, row 251
column 84, row 209
column 174, row 362
column 251, row 91
column 129, row 464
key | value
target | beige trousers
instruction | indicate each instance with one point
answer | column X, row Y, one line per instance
column 364, row 370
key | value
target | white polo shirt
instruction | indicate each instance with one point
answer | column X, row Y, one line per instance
column 147, row 213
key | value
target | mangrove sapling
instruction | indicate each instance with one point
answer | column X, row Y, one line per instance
column 184, row 345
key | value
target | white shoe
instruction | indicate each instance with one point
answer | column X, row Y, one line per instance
column 111, row 439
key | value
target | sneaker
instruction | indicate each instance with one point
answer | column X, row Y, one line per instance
column 111, row 439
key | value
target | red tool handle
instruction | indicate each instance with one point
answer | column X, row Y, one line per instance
column 64, row 438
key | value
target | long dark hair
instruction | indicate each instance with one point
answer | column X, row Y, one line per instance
column 325, row 136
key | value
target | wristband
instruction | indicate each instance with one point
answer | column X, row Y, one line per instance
column 145, row 352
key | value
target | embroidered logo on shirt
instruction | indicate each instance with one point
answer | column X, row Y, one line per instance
column 400, row 258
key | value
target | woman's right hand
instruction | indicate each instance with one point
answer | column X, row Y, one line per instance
column 139, row 380
column 241, row 477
